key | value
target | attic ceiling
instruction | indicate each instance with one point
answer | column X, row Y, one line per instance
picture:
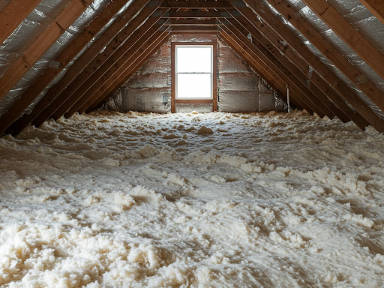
column 59, row 57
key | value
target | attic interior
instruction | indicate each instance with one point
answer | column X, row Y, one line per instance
column 192, row 143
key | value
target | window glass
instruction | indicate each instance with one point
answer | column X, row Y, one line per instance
column 194, row 86
column 194, row 59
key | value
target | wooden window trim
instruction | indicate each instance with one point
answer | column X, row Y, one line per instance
column 174, row 101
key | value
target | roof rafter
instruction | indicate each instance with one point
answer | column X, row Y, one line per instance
column 282, row 71
column 125, row 70
column 364, row 48
column 63, row 59
column 149, row 28
column 13, row 14
column 67, row 15
column 281, row 29
column 273, row 40
column 376, row 7
column 85, row 58
column 330, row 51
column 265, row 71
column 298, row 75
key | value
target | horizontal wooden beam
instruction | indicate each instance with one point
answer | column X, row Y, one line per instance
column 68, row 53
column 13, row 14
column 49, row 34
column 199, row 101
column 196, row 14
column 195, row 4
column 376, row 7
column 192, row 22
column 353, row 37
column 194, row 29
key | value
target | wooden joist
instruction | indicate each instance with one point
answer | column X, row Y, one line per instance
column 196, row 29
column 94, row 76
column 280, row 28
column 301, row 91
column 68, row 53
column 126, row 70
column 13, row 14
column 363, row 47
column 80, row 63
column 195, row 4
column 196, row 14
column 68, row 14
column 376, row 7
column 330, row 51
column 192, row 22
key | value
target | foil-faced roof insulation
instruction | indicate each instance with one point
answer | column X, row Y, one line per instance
column 361, row 19
column 28, row 30
column 352, row 10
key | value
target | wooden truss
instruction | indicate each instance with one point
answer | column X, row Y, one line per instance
column 248, row 26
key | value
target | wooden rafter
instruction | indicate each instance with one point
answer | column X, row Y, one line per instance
column 292, row 62
column 126, row 70
column 376, row 7
column 268, row 72
column 80, row 64
column 311, row 77
column 112, row 53
column 298, row 74
column 329, row 50
column 13, row 14
column 63, row 59
column 272, row 78
column 69, row 13
column 192, row 22
column 150, row 26
column 194, row 29
column 196, row 14
column 354, row 38
column 301, row 91
column 274, row 22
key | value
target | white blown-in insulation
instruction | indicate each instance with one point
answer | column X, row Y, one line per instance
column 192, row 200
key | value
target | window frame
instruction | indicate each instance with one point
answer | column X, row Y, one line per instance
column 212, row 100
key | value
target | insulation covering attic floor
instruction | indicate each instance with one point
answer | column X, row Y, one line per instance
column 192, row 200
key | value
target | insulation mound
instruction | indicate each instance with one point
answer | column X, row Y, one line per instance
column 142, row 200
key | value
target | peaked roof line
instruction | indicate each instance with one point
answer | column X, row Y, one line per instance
column 273, row 50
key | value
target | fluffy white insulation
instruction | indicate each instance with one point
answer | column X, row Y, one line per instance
column 192, row 200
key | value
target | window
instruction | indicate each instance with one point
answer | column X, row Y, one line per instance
column 194, row 73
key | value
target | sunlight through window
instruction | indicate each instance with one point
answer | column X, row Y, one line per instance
column 194, row 68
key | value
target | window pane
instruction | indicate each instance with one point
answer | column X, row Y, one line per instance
column 194, row 59
column 194, row 86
